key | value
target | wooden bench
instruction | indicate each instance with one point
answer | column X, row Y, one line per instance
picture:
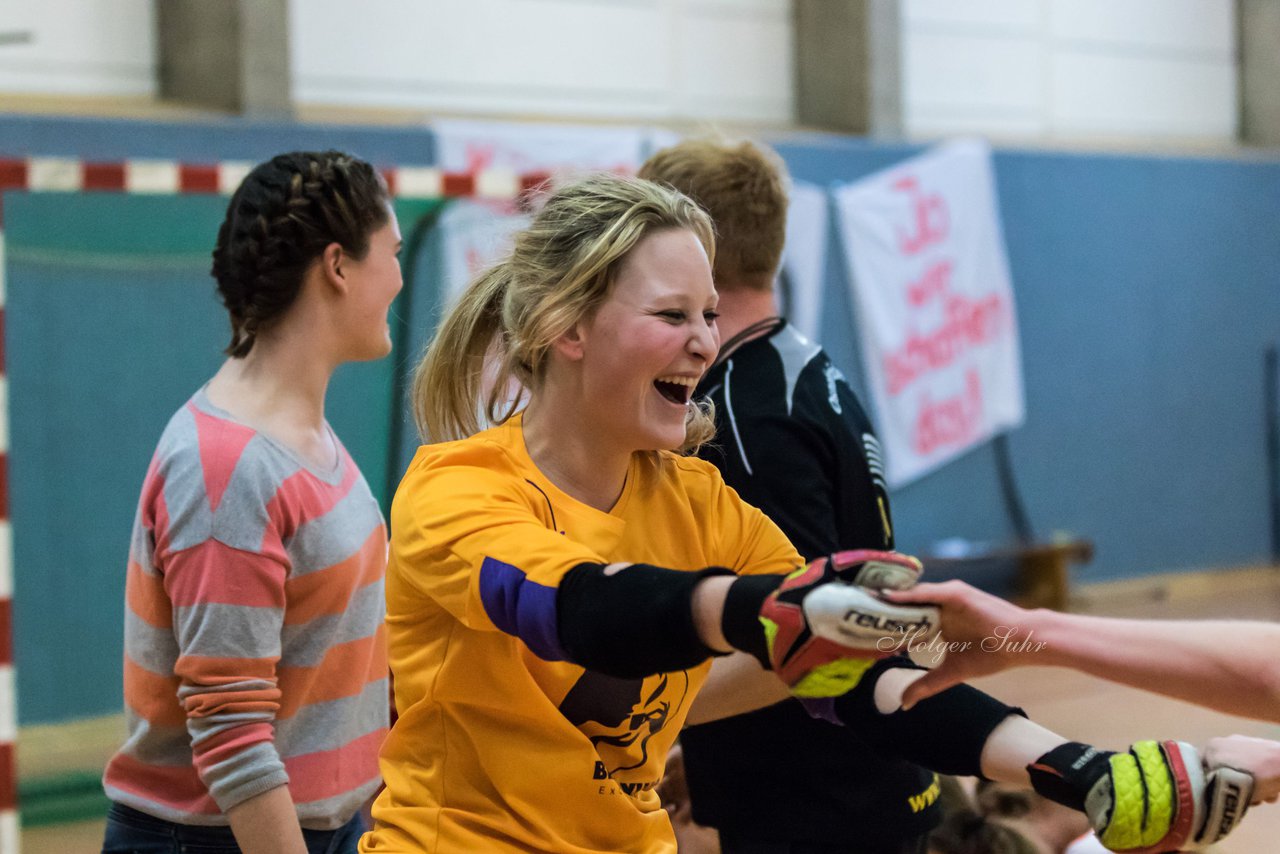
column 1033, row 575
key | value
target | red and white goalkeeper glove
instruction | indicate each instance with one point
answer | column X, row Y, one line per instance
column 825, row 626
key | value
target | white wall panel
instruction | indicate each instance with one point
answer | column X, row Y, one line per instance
column 82, row 47
column 1126, row 95
column 713, row 59
column 941, row 123
column 1047, row 69
column 1014, row 16
column 1071, row 69
column 484, row 56
column 1199, row 28
column 734, row 61
column 972, row 78
column 767, row 8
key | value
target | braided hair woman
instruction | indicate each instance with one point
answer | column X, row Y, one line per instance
column 255, row 667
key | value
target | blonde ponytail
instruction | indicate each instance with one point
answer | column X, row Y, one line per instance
column 449, row 380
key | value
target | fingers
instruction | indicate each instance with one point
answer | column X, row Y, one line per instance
column 1258, row 757
column 878, row 570
column 931, row 593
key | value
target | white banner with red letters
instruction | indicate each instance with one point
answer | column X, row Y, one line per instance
column 476, row 232
column 934, row 300
column 473, row 235
column 474, row 145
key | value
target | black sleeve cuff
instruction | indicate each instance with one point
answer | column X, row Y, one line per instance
column 740, row 622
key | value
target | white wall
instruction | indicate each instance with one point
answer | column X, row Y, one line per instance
column 78, row 47
column 632, row 59
column 1071, row 69
column 1055, row 70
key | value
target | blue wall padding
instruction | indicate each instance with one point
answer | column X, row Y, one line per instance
column 206, row 142
column 102, row 345
column 1147, row 290
column 98, row 360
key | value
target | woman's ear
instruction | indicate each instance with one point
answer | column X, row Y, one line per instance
column 331, row 267
column 572, row 343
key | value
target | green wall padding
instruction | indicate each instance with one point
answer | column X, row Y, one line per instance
column 112, row 322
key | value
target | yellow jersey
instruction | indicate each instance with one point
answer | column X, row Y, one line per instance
column 497, row 748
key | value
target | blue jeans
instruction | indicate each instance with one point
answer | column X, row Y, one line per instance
column 132, row 832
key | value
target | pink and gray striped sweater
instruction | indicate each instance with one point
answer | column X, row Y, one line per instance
column 254, row 645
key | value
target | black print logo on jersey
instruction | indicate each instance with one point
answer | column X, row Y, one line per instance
column 620, row 716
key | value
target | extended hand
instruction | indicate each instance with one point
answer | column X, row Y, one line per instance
column 982, row 631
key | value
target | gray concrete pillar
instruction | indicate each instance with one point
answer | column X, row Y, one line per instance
column 848, row 65
column 1259, row 30
column 225, row 54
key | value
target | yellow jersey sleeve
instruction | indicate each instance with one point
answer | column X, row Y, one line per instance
column 470, row 532
column 739, row 535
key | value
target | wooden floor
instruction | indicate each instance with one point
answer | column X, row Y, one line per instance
column 1075, row 705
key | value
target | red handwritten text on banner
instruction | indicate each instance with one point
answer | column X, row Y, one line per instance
column 935, row 308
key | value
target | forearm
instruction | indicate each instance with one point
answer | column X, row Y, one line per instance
column 1013, row 745
column 1152, row 797
column 1228, row 666
column 267, row 824
column 708, row 612
column 737, row 684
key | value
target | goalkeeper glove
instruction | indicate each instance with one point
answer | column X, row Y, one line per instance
column 1155, row 798
column 825, row 627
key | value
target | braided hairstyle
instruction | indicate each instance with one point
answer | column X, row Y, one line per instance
column 281, row 218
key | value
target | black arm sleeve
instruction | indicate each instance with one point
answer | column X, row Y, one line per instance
column 631, row 623
column 945, row 733
column 740, row 623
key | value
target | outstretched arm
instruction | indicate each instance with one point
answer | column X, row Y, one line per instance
column 1155, row 796
column 1225, row 665
column 1152, row 797
column 597, row 609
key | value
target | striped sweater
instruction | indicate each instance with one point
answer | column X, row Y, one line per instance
column 254, row 642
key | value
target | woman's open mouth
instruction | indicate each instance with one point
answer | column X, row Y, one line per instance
column 678, row 390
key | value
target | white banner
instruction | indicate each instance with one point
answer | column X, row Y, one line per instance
column 473, row 235
column 930, row 281
column 476, row 233
column 804, row 259
column 473, row 146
